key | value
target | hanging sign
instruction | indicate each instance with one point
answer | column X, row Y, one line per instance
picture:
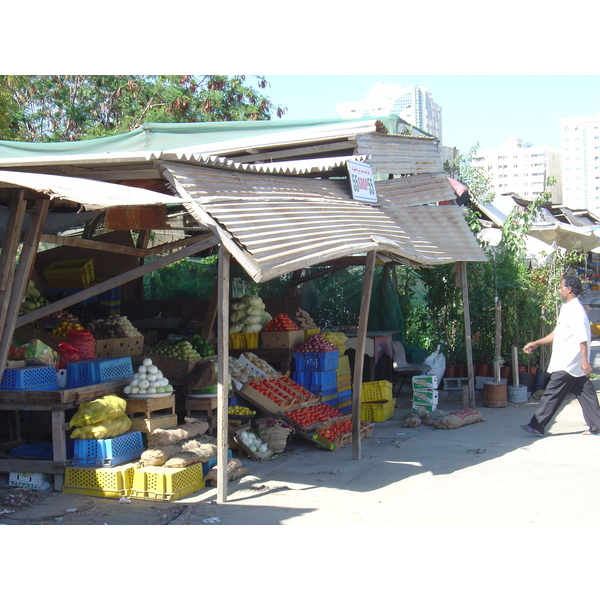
column 361, row 181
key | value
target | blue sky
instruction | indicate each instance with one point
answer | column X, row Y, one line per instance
column 484, row 109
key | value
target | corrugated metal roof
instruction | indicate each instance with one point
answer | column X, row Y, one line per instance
column 400, row 154
column 275, row 225
column 288, row 167
column 89, row 193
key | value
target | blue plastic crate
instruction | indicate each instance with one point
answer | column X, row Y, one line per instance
column 211, row 462
column 302, row 378
column 109, row 452
column 332, row 403
column 111, row 369
column 345, row 396
column 345, row 409
column 110, row 295
column 316, row 361
column 323, row 390
column 324, row 379
column 30, row 378
column 99, row 370
column 77, row 373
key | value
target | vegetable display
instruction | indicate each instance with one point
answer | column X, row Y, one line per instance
column 148, row 380
column 338, row 339
column 181, row 349
column 316, row 343
column 33, row 299
column 249, row 315
column 306, row 416
column 281, row 322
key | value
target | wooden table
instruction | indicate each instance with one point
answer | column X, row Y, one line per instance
column 377, row 344
column 56, row 402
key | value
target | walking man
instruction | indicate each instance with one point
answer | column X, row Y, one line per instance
column 569, row 364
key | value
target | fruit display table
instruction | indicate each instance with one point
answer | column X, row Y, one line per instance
column 57, row 402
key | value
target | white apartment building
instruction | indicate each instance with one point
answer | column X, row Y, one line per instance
column 580, row 149
column 522, row 170
column 413, row 104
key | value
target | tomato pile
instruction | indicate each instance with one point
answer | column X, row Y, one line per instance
column 315, row 413
column 335, row 430
column 281, row 322
column 283, row 391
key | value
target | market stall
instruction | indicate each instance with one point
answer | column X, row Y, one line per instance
column 270, row 224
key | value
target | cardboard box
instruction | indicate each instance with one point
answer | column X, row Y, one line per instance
column 32, row 481
column 428, row 406
column 426, row 395
column 173, row 368
column 424, row 382
column 119, row 347
column 282, row 339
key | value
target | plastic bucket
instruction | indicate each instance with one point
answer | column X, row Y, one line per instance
column 528, row 380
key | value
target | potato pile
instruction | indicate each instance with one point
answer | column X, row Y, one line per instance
column 304, row 320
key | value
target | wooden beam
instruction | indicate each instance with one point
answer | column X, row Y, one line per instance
column 361, row 337
column 22, row 276
column 201, row 244
column 90, row 244
column 211, row 312
column 10, row 244
column 223, row 364
column 293, row 153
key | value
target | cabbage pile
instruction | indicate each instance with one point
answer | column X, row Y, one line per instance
column 249, row 315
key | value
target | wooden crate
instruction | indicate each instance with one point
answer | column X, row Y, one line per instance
column 203, row 408
column 149, row 414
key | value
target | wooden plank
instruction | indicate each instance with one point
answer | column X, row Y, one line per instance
column 361, row 336
column 22, row 276
column 223, row 367
column 204, row 242
column 24, row 465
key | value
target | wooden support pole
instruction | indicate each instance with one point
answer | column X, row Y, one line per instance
column 361, row 337
column 223, row 366
column 461, row 269
column 498, row 341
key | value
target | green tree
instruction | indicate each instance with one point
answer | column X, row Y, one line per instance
column 63, row 108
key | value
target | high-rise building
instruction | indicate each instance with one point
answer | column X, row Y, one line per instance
column 522, row 170
column 413, row 104
column 580, row 149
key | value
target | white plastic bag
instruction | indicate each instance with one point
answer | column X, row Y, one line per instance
column 437, row 362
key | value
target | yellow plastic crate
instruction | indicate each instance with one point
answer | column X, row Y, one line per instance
column 104, row 482
column 374, row 391
column 243, row 341
column 344, row 363
column 378, row 411
column 166, row 484
column 70, row 273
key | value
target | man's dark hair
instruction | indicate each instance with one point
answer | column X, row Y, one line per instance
column 573, row 282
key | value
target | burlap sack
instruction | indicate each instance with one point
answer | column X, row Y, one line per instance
column 459, row 418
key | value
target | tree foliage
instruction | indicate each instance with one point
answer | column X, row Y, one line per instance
column 64, row 108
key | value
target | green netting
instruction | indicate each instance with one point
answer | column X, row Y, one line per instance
column 332, row 299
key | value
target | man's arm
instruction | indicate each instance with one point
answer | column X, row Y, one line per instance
column 531, row 346
column 585, row 363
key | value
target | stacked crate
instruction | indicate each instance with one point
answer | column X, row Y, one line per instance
column 425, row 393
column 317, row 373
column 344, row 385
